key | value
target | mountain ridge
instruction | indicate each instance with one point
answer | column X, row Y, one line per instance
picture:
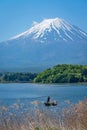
column 59, row 26
column 45, row 44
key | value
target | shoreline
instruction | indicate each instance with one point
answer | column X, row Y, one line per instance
column 78, row 83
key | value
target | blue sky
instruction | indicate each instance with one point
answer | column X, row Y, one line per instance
column 16, row 16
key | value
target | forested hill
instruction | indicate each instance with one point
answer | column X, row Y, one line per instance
column 63, row 74
column 57, row 74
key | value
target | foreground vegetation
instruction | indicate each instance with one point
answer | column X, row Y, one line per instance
column 63, row 74
column 73, row 118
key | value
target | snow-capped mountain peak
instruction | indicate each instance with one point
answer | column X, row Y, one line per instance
column 48, row 25
column 53, row 29
column 45, row 44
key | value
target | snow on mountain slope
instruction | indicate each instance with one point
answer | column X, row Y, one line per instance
column 45, row 44
column 56, row 28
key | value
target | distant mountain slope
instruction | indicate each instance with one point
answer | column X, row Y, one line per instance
column 51, row 42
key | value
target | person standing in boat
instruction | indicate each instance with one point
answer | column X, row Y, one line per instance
column 48, row 99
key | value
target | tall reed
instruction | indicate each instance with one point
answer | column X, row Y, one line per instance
column 73, row 118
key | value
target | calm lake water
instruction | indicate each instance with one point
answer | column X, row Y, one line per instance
column 26, row 94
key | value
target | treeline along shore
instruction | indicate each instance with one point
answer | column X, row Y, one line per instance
column 17, row 77
column 58, row 74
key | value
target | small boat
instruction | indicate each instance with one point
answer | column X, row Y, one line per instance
column 53, row 103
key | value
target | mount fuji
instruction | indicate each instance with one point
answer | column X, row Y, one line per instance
column 50, row 42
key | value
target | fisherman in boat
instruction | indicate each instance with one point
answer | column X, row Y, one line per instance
column 48, row 99
column 49, row 102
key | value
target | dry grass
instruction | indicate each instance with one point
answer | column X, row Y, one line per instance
column 74, row 118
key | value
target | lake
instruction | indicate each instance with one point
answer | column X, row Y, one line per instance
column 26, row 94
